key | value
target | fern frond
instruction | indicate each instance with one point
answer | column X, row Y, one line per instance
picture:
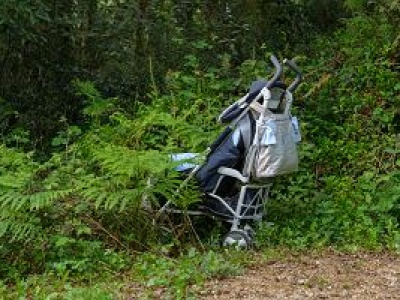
column 44, row 199
column 106, row 194
column 17, row 201
column 20, row 226
column 120, row 161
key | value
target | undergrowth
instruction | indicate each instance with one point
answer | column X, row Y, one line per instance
column 150, row 276
column 80, row 212
column 347, row 191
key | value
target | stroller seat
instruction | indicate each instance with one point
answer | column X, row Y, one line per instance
column 222, row 176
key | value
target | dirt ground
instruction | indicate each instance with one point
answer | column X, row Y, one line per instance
column 313, row 276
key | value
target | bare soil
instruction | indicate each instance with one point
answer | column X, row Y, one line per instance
column 313, row 276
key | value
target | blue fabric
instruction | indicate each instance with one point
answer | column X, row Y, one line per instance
column 185, row 165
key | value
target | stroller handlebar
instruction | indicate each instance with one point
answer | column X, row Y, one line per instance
column 299, row 76
column 236, row 108
column 277, row 73
column 270, row 83
column 235, row 111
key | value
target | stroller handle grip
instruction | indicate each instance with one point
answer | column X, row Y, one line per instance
column 277, row 73
column 299, row 76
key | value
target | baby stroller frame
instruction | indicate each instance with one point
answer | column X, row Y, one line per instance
column 252, row 192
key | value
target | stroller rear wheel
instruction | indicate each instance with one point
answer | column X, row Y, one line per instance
column 238, row 239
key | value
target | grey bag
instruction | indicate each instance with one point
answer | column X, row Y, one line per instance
column 276, row 151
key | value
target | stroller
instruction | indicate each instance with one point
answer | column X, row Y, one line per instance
column 257, row 145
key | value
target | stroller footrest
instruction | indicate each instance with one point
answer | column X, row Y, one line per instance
column 233, row 173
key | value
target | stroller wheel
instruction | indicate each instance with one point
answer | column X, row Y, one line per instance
column 238, row 239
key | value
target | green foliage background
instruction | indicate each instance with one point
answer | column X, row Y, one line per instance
column 87, row 127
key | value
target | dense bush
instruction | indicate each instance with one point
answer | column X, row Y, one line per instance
column 347, row 192
column 73, row 212
column 126, row 47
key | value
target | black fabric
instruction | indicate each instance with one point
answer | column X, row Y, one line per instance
column 226, row 155
column 255, row 89
column 258, row 85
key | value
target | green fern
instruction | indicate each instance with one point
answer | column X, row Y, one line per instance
column 19, row 227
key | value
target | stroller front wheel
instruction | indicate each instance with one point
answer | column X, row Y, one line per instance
column 238, row 239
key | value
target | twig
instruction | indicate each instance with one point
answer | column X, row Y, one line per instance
column 194, row 231
column 98, row 224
